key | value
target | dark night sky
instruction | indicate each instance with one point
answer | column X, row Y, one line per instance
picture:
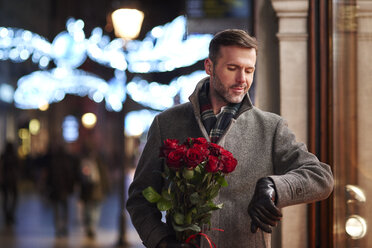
column 48, row 17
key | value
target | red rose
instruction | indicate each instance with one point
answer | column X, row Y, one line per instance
column 215, row 149
column 225, row 153
column 194, row 157
column 203, row 148
column 188, row 142
column 169, row 145
column 175, row 158
column 213, row 164
column 200, row 140
column 229, row 164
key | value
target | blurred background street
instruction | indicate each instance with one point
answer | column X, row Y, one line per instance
column 70, row 136
column 34, row 228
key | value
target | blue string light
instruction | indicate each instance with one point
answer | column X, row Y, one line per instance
column 163, row 49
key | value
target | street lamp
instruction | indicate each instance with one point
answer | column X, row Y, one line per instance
column 89, row 120
column 127, row 23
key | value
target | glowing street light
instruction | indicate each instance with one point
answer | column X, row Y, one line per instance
column 89, row 120
column 127, row 23
column 34, row 126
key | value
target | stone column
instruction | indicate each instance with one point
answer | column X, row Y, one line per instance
column 293, row 60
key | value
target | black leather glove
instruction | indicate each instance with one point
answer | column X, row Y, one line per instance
column 262, row 207
column 172, row 242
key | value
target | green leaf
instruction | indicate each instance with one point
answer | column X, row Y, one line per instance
column 188, row 218
column 218, row 206
column 213, row 206
column 151, row 195
column 205, row 218
column 194, row 198
column 222, row 181
column 181, row 187
column 206, row 208
column 214, row 192
column 187, row 174
column 178, row 218
column 166, row 194
column 190, row 186
column 207, row 177
column 170, row 187
column 164, row 205
column 166, row 170
column 197, row 179
column 193, row 227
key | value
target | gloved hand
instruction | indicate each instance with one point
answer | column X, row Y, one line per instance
column 172, row 242
column 262, row 207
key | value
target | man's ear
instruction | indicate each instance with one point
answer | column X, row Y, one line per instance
column 208, row 66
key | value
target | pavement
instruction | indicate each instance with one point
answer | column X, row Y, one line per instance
column 33, row 227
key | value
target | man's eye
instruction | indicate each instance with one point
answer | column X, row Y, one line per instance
column 231, row 68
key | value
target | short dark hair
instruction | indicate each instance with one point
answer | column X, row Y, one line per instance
column 230, row 37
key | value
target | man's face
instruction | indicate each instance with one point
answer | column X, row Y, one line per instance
column 231, row 76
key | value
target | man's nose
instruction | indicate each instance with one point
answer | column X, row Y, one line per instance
column 241, row 76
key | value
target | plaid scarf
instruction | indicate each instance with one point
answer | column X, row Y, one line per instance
column 215, row 125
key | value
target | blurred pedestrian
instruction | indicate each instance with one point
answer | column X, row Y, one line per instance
column 61, row 179
column 9, row 175
column 93, row 188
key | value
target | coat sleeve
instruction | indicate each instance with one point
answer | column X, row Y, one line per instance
column 299, row 176
column 145, row 216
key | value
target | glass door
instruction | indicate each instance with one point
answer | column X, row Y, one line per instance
column 352, row 122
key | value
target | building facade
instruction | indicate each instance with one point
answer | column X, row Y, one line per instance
column 324, row 61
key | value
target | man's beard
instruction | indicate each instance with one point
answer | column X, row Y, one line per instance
column 222, row 93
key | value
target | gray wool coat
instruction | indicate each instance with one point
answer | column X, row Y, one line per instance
column 263, row 146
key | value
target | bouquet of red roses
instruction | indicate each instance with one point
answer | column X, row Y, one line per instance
column 195, row 171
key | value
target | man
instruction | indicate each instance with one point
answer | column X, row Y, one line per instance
column 273, row 169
